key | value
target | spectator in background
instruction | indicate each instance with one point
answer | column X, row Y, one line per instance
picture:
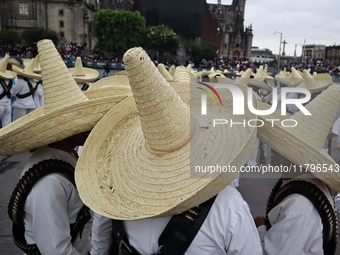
column 6, row 82
column 106, row 69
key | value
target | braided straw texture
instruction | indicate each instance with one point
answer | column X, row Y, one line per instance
column 4, row 73
column 83, row 74
column 304, row 143
column 138, row 159
column 181, row 74
column 27, row 71
column 67, row 111
column 161, row 68
column 112, row 81
column 57, row 94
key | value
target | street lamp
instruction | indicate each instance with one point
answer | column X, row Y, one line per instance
column 278, row 65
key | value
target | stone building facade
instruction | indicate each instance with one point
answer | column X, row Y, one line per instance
column 314, row 51
column 332, row 54
column 195, row 19
column 69, row 18
column 235, row 39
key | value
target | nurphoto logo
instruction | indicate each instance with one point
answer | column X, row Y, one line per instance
column 240, row 101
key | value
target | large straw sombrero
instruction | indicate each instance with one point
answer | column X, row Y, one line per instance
column 4, row 73
column 36, row 64
column 66, row 110
column 225, row 80
column 213, row 76
column 303, row 144
column 13, row 61
column 181, row 74
column 293, row 79
column 27, row 71
column 83, row 74
column 258, row 81
column 111, row 81
column 161, row 68
column 138, row 158
column 315, row 83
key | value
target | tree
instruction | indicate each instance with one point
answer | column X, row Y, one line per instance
column 118, row 30
column 32, row 35
column 8, row 39
column 201, row 50
column 163, row 39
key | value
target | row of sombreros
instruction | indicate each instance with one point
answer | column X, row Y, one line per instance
column 32, row 70
column 141, row 150
column 295, row 78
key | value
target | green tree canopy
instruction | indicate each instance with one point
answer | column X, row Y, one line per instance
column 32, row 35
column 162, row 38
column 9, row 38
column 201, row 50
column 118, row 30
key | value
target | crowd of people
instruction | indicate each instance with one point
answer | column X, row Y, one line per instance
column 135, row 176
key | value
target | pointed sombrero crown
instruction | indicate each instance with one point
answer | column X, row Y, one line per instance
column 148, row 146
column 66, row 110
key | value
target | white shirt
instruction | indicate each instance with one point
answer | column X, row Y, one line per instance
column 228, row 229
column 21, row 88
column 38, row 96
column 50, row 208
column 296, row 225
column 5, row 100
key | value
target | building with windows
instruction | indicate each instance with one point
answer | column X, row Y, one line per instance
column 314, row 51
column 69, row 18
column 261, row 55
column 191, row 19
column 332, row 54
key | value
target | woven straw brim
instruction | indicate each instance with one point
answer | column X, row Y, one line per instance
column 290, row 82
column 317, row 83
column 182, row 89
column 26, row 74
column 8, row 75
column 108, row 92
column 37, row 128
column 259, row 84
column 13, row 62
column 129, row 182
column 225, row 80
column 123, row 72
column 35, row 68
column 112, row 81
column 89, row 75
column 213, row 76
column 298, row 147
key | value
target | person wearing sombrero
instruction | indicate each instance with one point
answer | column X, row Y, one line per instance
column 38, row 95
column 47, row 213
column 144, row 163
column 24, row 89
column 83, row 75
column 6, row 89
column 300, row 216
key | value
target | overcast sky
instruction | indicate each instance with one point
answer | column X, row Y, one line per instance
column 316, row 21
